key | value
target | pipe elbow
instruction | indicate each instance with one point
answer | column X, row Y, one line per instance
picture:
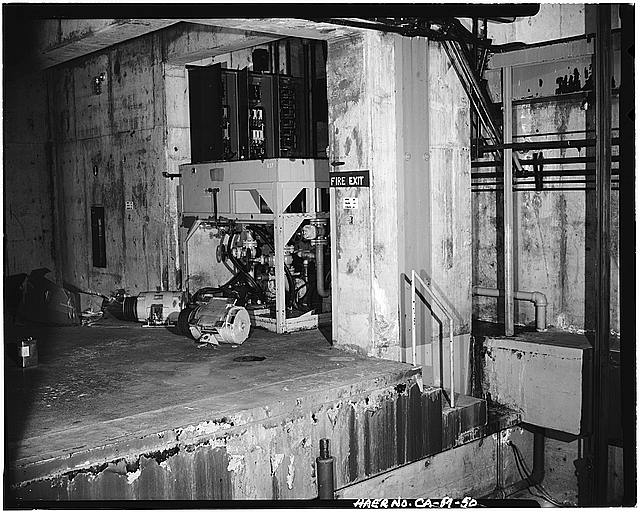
column 539, row 298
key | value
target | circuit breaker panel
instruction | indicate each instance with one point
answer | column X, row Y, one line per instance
column 242, row 115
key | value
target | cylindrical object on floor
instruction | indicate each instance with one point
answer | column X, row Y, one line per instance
column 129, row 309
column 157, row 308
column 225, row 322
column 27, row 353
column 324, row 472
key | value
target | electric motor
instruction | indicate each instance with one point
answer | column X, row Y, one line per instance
column 217, row 321
column 154, row 308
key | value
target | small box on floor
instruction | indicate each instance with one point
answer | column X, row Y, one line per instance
column 27, row 353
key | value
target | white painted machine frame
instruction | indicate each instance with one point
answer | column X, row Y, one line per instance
column 240, row 184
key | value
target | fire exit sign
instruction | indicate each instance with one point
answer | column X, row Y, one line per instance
column 349, row 179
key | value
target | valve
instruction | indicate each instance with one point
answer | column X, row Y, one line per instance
column 249, row 243
column 320, row 226
column 309, row 232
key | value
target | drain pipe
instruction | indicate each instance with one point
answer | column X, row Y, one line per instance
column 539, row 300
column 537, row 473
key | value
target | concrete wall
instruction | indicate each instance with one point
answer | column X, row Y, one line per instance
column 106, row 149
column 553, row 21
column 28, row 220
column 555, row 230
column 110, row 149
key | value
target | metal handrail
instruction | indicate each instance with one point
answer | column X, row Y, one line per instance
column 415, row 277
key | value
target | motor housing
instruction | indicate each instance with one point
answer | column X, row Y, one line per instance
column 220, row 320
column 154, row 308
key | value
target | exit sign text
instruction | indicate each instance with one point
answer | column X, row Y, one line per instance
column 349, row 179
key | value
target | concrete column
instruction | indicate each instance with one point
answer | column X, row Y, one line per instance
column 450, row 204
column 396, row 108
column 177, row 151
column 362, row 132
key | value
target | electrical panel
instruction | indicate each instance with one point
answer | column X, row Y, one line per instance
column 242, row 115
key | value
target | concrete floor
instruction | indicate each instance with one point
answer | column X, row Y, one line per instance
column 112, row 381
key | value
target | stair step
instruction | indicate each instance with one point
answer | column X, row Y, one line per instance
column 469, row 414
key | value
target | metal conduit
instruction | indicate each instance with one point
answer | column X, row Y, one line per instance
column 476, row 94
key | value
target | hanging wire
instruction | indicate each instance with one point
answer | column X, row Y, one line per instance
column 525, row 474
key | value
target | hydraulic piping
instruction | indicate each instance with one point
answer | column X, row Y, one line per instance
column 319, row 241
column 320, row 272
column 292, row 287
column 245, row 275
column 539, row 300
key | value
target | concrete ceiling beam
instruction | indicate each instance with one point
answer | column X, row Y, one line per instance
column 190, row 42
column 284, row 27
column 88, row 38
column 62, row 40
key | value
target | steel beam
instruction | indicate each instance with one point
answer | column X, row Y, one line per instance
column 600, row 441
column 627, row 255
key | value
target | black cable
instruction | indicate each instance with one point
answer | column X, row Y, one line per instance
column 521, row 465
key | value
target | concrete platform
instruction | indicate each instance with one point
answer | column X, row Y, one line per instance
column 126, row 412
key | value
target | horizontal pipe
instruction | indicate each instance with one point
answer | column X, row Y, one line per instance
column 545, row 161
column 539, row 300
column 527, row 181
column 550, row 144
column 533, row 189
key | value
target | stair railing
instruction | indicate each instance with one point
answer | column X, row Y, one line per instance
column 427, row 288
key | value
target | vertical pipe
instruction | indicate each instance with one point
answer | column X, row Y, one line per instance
column 507, row 163
column 320, row 271
column 603, row 57
column 413, row 317
column 324, row 471
column 499, row 463
column 451, row 363
column 333, row 227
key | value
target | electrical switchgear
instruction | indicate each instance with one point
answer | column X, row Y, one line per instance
column 242, row 115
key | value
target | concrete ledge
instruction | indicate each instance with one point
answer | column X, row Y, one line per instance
column 543, row 375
